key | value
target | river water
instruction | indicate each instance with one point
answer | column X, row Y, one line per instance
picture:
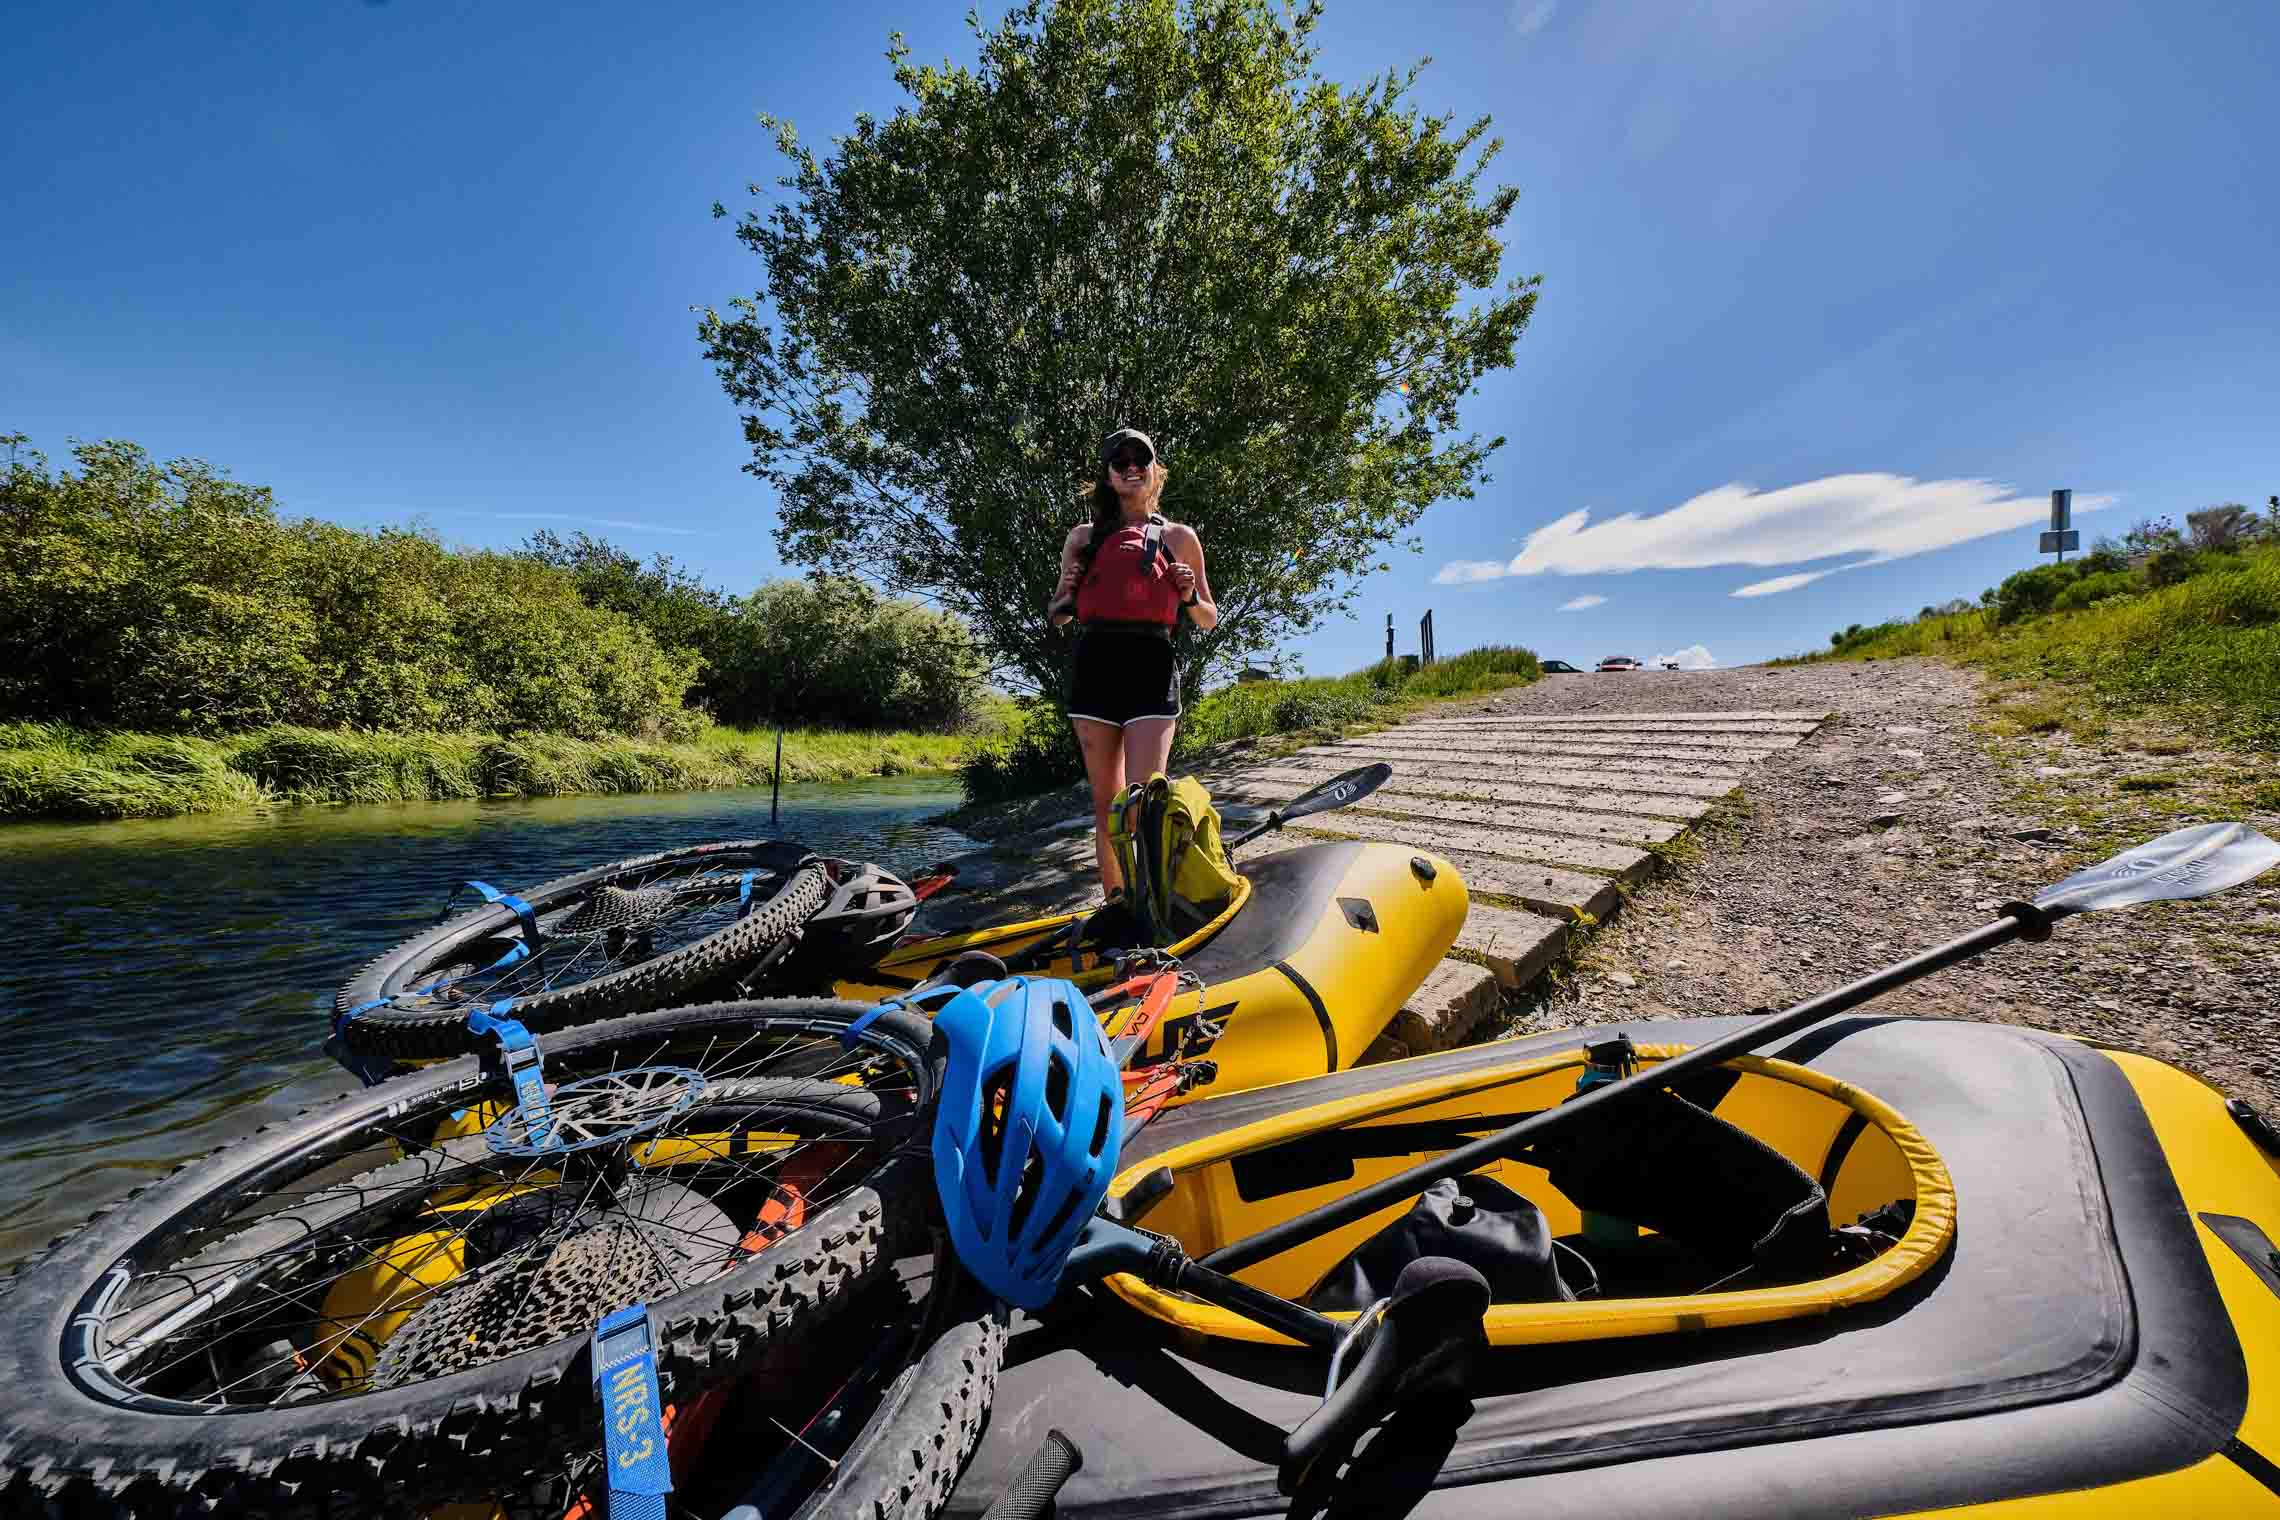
column 164, row 985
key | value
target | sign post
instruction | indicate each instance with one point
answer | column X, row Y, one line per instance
column 2063, row 535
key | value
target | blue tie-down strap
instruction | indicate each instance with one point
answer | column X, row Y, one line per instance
column 370, row 1070
column 525, row 915
column 633, row 1425
column 744, row 892
column 864, row 1020
column 522, row 1060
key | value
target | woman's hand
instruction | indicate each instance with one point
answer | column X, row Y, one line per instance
column 1060, row 607
column 1188, row 574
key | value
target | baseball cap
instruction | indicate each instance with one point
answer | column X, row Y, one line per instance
column 1110, row 444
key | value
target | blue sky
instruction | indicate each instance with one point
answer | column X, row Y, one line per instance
column 1849, row 281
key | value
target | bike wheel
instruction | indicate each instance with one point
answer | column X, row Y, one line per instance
column 355, row 1312
column 908, row 1454
column 831, row 1428
column 622, row 938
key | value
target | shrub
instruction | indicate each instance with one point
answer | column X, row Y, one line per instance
column 1040, row 754
column 1487, row 668
column 2030, row 593
column 832, row 652
column 2093, row 588
column 2178, row 562
column 1316, row 708
column 1857, row 636
column 171, row 599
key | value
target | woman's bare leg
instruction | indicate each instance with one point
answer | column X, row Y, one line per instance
column 1103, row 747
column 1148, row 746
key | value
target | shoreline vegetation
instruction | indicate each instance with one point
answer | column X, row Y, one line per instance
column 50, row 771
column 54, row 771
column 170, row 643
column 2188, row 632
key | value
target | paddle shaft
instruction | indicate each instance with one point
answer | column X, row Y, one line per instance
column 1315, row 1222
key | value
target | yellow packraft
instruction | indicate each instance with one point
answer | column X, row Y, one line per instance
column 1166, row 837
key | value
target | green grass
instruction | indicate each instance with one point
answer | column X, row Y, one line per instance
column 2204, row 651
column 50, row 770
column 1375, row 693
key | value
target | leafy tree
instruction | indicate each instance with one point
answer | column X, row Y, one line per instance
column 2227, row 525
column 677, row 608
column 2149, row 534
column 170, row 598
column 831, row 650
column 1128, row 212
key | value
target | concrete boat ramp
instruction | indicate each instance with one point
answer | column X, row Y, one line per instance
column 1545, row 816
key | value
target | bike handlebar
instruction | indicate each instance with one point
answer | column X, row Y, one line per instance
column 1426, row 1335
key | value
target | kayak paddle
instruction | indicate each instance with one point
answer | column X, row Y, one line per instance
column 1335, row 793
column 2193, row 862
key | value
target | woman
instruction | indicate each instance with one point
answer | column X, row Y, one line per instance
column 1127, row 576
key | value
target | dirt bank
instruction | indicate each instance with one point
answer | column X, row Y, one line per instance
column 1904, row 821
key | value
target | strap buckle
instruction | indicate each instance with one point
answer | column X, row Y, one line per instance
column 518, row 1058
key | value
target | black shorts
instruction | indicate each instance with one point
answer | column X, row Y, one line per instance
column 1121, row 674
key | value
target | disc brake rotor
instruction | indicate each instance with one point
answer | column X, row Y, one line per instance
column 604, row 1110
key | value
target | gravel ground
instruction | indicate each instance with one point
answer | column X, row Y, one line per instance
column 1903, row 822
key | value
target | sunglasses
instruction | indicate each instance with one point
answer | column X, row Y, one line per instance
column 1131, row 459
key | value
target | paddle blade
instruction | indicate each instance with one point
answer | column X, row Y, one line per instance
column 1349, row 788
column 1334, row 793
column 2192, row 862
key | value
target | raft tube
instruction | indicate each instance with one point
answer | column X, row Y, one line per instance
column 2099, row 1334
column 1310, row 960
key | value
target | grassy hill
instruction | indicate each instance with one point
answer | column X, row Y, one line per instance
column 2097, row 641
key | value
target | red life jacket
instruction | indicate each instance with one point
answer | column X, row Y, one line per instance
column 1131, row 579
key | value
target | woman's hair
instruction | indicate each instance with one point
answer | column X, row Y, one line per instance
column 1107, row 510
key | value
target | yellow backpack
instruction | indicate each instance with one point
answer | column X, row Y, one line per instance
column 1166, row 837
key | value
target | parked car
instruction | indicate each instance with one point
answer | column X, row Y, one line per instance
column 1560, row 668
column 1619, row 662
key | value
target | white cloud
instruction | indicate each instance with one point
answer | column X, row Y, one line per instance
column 1460, row 572
column 1874, row 515
column 1692, row 657
column 1780, row 583
column 1530, row 16
column 1582, row 603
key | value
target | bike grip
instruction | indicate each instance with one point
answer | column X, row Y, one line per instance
column 1056, row 1461
column 1432, row 1318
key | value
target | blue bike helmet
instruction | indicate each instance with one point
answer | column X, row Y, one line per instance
column 1032, row 1118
